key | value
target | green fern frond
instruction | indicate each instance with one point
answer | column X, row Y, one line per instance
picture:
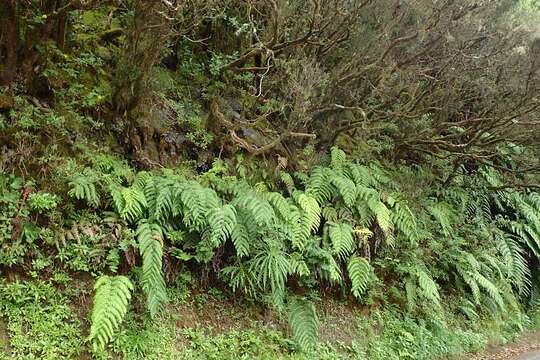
column 360, row 273
column 429, row 287
column 346, row 189
column 281, row 206
column 411, row 293
column 312, row 211
column 338, row 158
column 272, row 267
column 82, row 187
column 197, row 201
column 490, row 288
column 341, row 236
column 319, row 185
column 134, row 203
column 441, row 213
column 287, row 179
column 222, row 221
column 383, row 216
column 258, row 207
column 405, row 221
column 240, row 236
column 329, row 213
column 110, row 305
column 150, row 241
column 304, row 323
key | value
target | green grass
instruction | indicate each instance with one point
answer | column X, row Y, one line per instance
column 41, row 321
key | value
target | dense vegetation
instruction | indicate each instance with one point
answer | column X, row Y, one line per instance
column 268, row 179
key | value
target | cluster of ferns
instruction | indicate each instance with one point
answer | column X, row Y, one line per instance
column 344, row 225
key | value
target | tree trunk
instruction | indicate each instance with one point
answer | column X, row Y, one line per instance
column 61, row 31
column 10, row 33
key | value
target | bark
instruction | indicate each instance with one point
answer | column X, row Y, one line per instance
column 10, row 30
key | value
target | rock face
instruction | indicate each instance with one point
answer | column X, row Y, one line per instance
column 6, row 102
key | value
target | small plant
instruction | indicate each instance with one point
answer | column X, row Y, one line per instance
column 42, row 202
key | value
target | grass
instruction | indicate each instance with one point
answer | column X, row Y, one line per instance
column 43, row 320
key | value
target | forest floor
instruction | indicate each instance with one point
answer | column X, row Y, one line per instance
column 519, row 350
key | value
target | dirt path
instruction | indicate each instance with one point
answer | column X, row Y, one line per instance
column 526, row 348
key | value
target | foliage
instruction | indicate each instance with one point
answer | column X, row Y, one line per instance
column 110, row 305
column 282, row 154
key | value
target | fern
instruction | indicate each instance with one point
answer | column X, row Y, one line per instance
column 442, row 214
column 133, row 203
column 405, row 221
column 338, row 157
column 319, row 185
column 272, row 267
column 490, row 288
column 341, row 236
column 197, row 201
column 240, row 236
column 110, row 305
column 287, row 179
column 411, row 293
column 280, row 204
column 150, row 239
column 428, row 286
column 222, row 222
column 382, row 214
column 258, row 207
column 360, row 273
column 83, row 188
column 346, row 189
column 312, row 211
column 304, row 323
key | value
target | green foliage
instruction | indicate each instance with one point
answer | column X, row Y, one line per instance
column 150, row 241
column 82, row 187
column 360, row 273
column 304, row 323
column 40, row 322
column 42, row 202
column 110, row 305
column 341, row 236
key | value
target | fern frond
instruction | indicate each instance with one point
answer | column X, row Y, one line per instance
column 360, row 272
column 428, row 286
column 338, row 158
column 346, row 189
column 83, row 188
column 341, row 236
column 240, row 236
column 272, row 267
column 405, row 221
column 312, row 211
column 197, row 201
column 287, row 179
column 258, row 207
column 134, row 203
column 280, row 204
column 110, row 305
column 441, row 213
column 490, row 288
column 410, row 291
column 319, row 185
column 304, row 323
column 382, row 214
column 222, row 221
column 150, row 239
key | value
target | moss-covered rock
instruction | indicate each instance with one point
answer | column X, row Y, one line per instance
column 7, row 102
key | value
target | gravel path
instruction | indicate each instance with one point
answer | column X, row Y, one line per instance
column 530, row 356
column 527, row 348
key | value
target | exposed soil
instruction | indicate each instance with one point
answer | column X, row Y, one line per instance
column 526, row 344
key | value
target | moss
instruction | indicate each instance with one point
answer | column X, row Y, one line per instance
column 7, row 102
